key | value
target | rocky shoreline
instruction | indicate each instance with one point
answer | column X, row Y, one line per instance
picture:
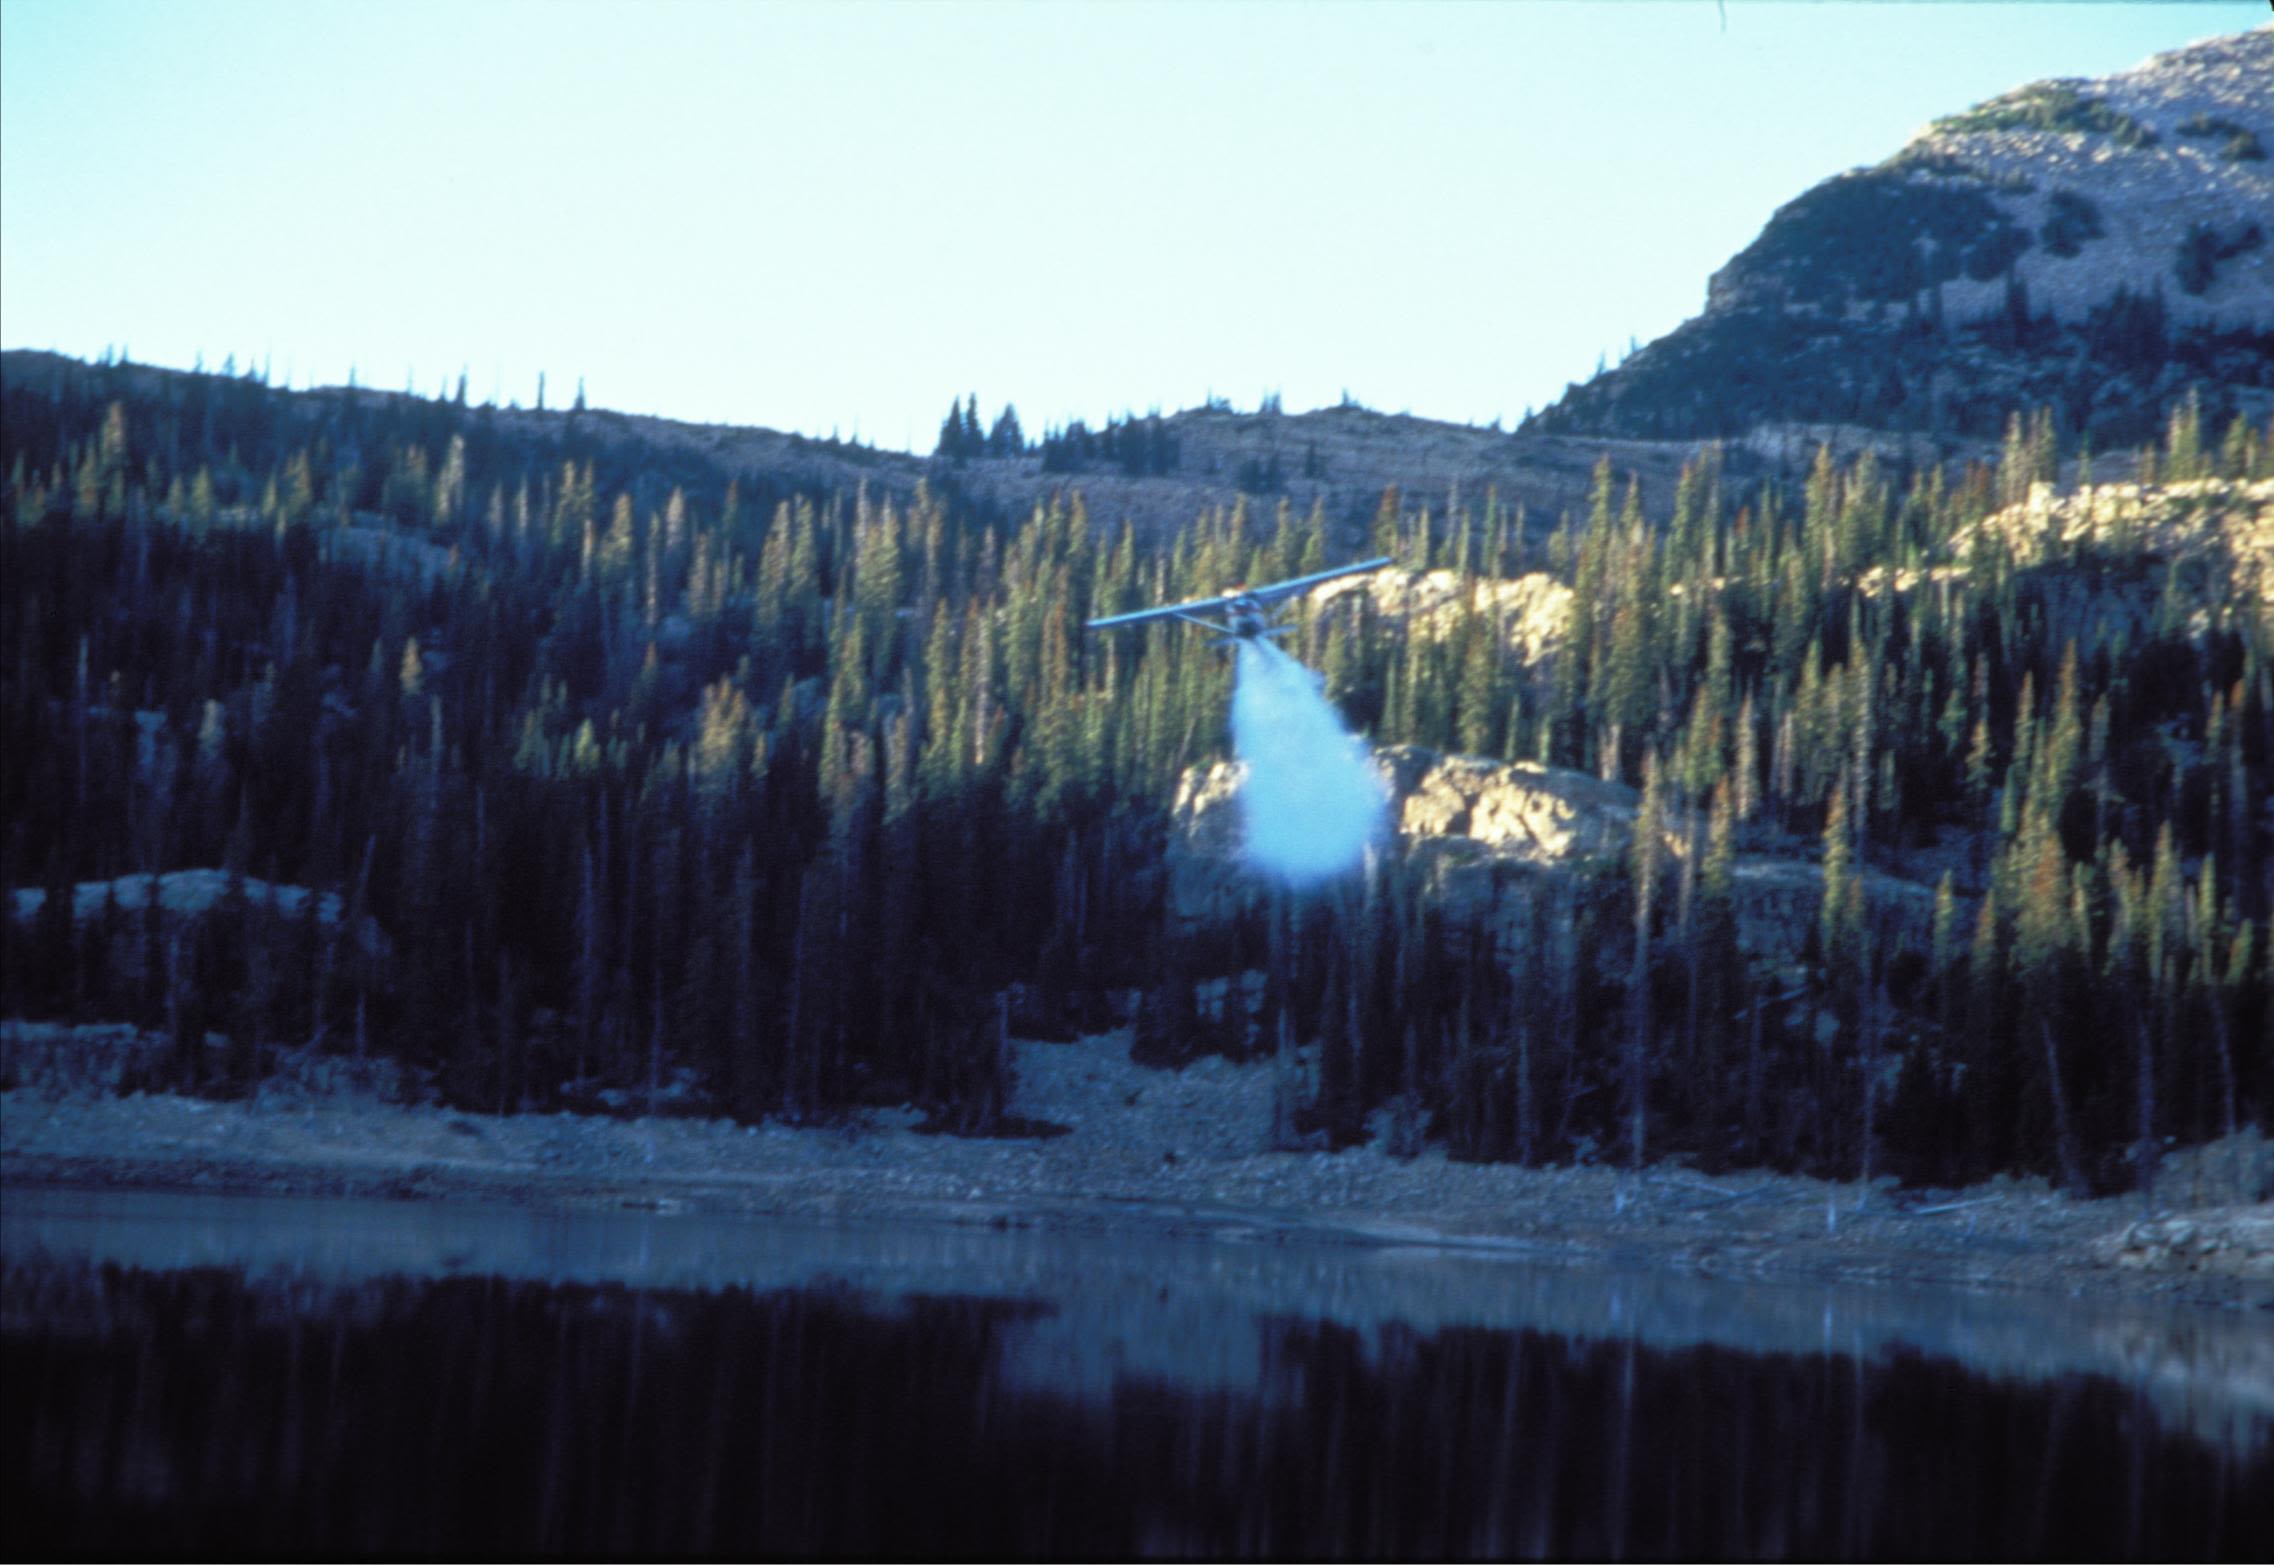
column 1158, row 1153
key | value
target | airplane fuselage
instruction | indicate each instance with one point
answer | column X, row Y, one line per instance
column 1244, row 617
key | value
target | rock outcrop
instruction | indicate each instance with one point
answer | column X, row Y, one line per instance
column 1531, row 612
column 1492, row 836
column 2218, row 532
column 185, row 898
column 2121, row 561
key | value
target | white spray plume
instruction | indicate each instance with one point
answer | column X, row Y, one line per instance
column 1312, row 799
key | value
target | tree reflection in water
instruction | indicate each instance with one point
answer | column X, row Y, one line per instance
column 194, row 1412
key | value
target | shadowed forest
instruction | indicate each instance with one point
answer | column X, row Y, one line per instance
column 622, row 786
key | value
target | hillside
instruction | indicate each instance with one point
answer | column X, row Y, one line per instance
column 1339, row 459
column 2096, row 246
column 1828, row 828
column 190, row 409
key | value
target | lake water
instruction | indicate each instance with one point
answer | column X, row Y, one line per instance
column 228, row 1375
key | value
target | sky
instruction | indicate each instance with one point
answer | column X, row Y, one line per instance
column 838, row 218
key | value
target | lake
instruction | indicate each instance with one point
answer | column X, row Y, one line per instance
column 226, row 1375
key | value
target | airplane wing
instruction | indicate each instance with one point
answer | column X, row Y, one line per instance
column 1218, row 604
column 1169, row 611
column 1283, row 589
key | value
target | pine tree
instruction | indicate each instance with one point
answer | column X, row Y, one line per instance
column 1478, row 700
column 1839, row 923
column 1649, row 826
column 1005, row 438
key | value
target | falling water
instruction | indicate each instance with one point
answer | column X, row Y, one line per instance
column 1312, row 799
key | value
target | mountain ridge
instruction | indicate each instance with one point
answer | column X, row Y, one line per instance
column 1342, row 458
column 2091, row 245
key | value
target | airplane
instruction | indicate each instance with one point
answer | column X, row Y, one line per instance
column 1245, row 609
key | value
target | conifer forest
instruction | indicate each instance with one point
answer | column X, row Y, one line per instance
column 570, row 778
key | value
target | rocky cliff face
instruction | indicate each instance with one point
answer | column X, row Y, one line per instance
column 2099, row 245
column 1494, row 835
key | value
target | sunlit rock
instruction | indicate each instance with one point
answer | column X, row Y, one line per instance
column 1489, row 837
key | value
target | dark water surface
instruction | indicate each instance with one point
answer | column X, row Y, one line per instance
column 225, row 1376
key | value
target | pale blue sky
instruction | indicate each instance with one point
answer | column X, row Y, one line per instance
column 840, row 217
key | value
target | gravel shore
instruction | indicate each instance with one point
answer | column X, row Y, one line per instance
column 1158, row 1152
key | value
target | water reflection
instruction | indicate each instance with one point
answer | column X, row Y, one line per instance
column 207, row 1408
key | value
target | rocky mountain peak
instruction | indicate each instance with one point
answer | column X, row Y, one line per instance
column 2099, row 245
column 2074, row 189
